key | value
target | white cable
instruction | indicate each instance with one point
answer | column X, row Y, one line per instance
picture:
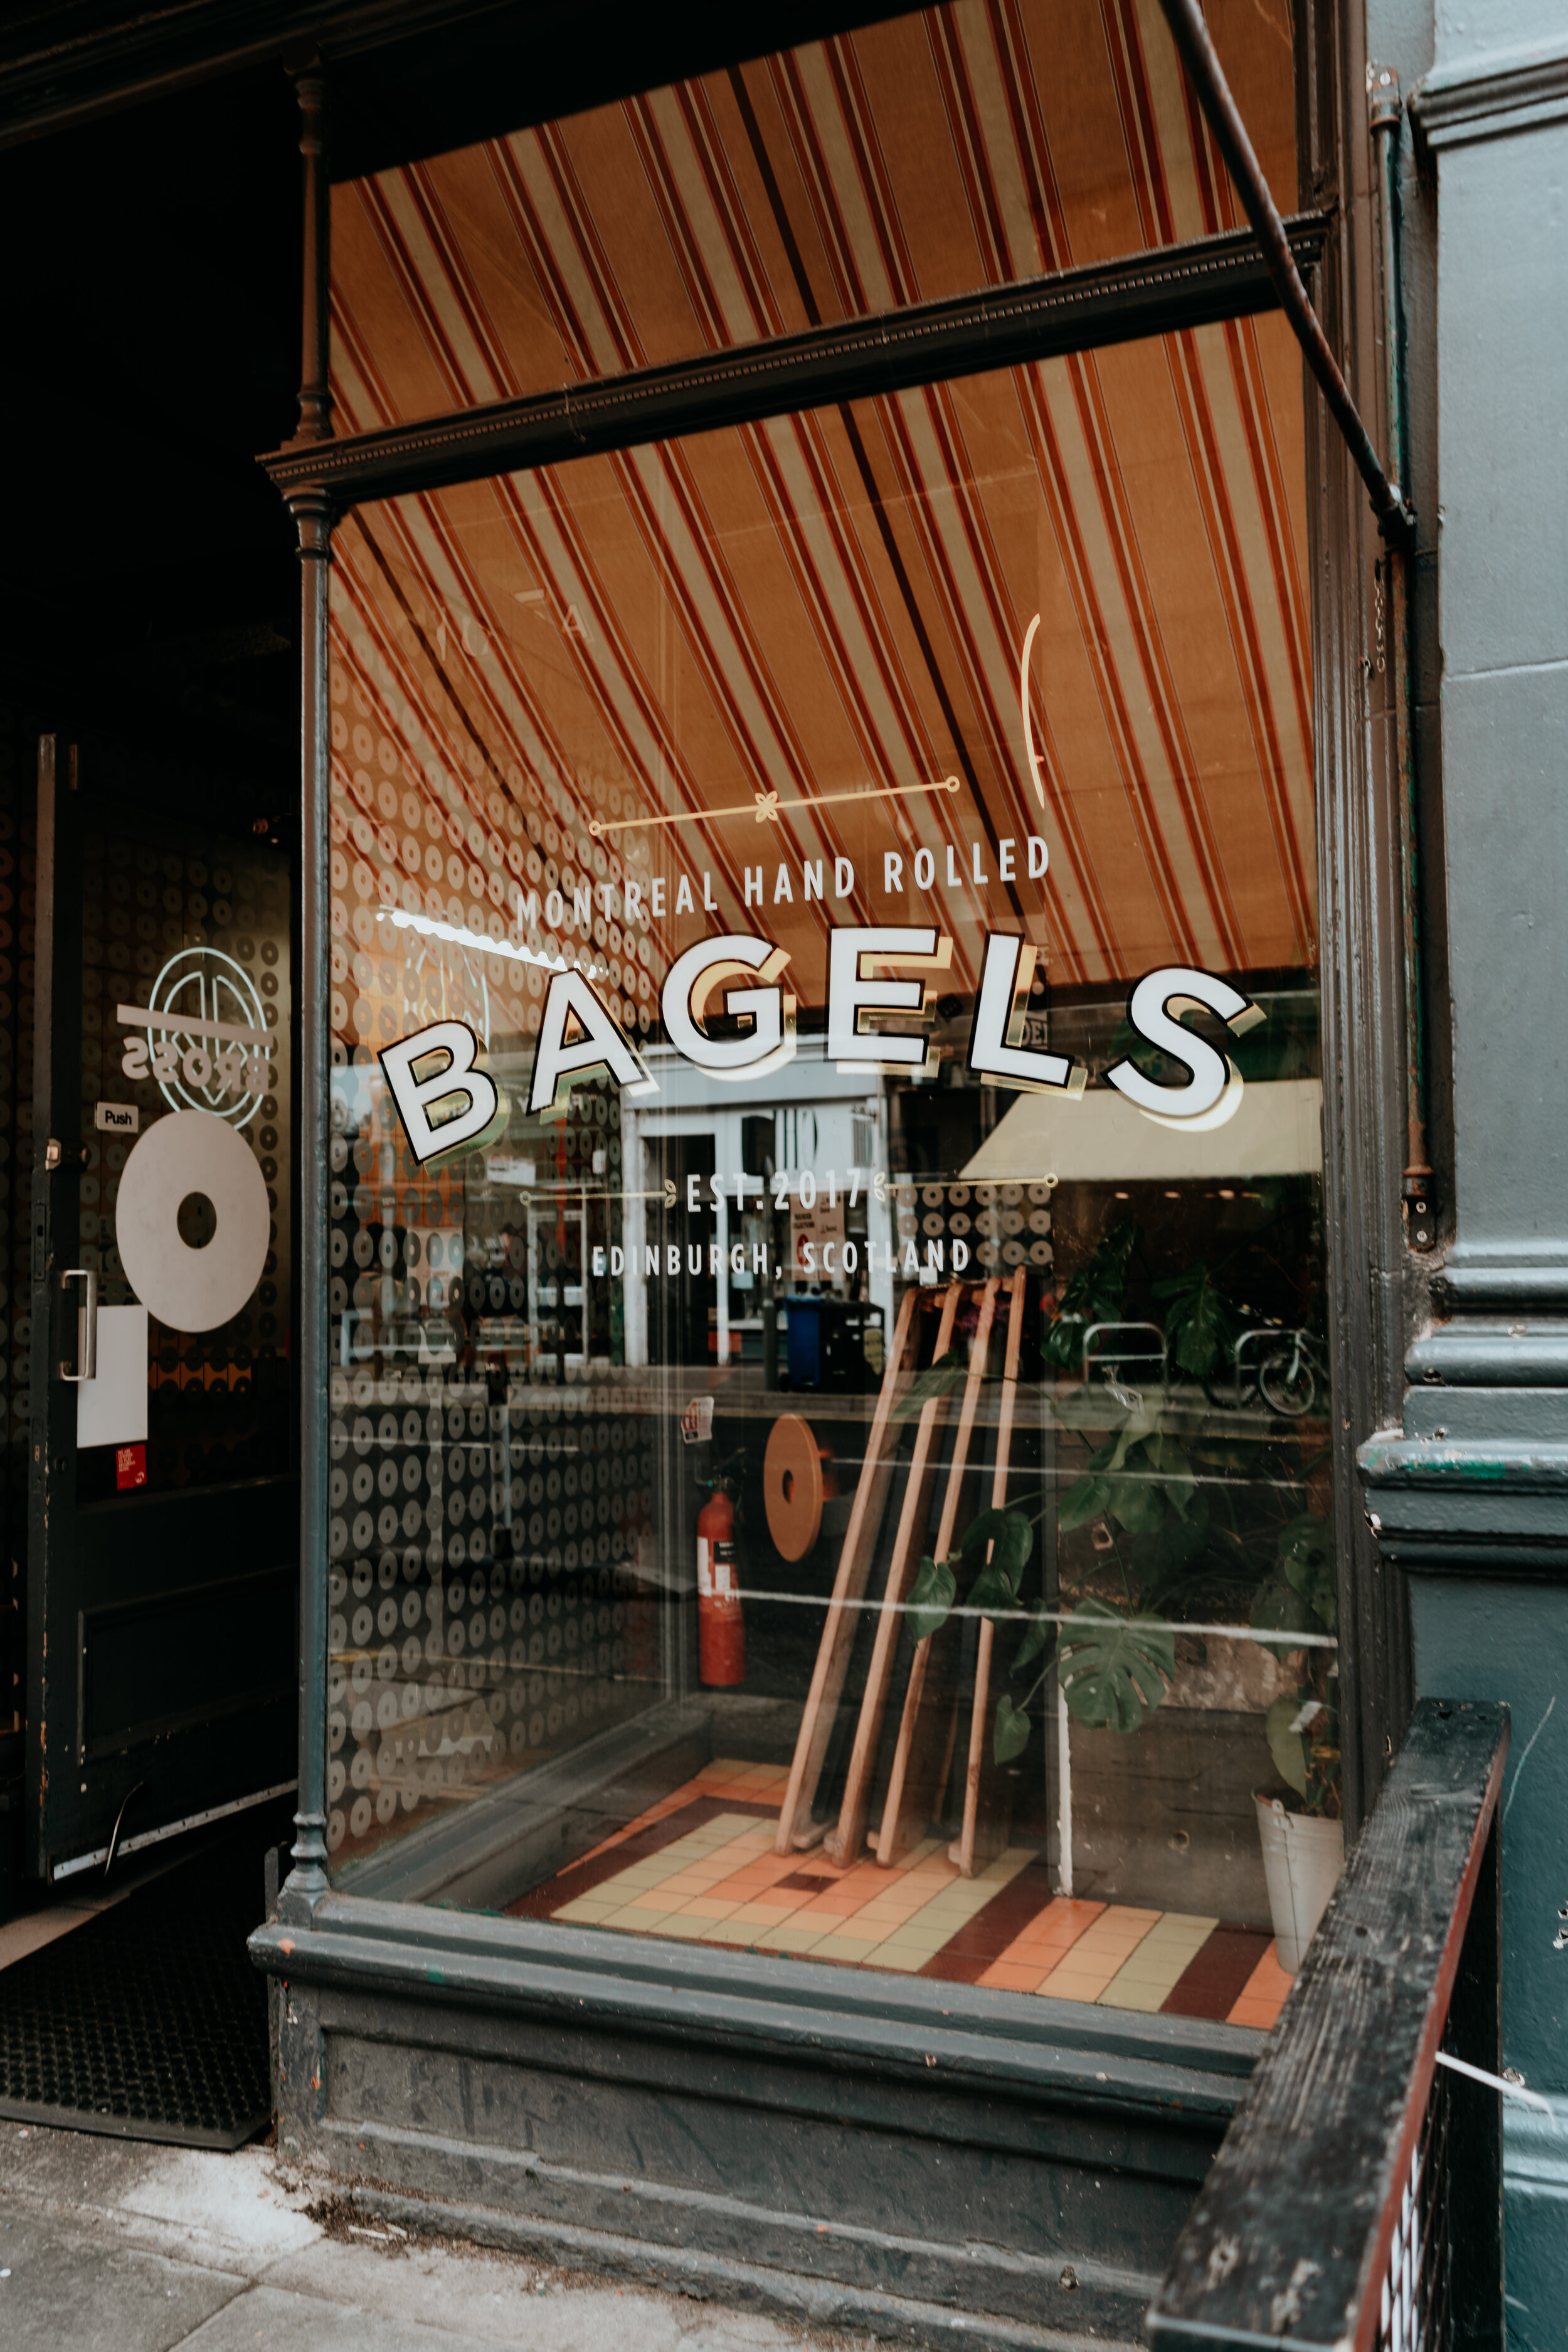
column 1282, row 1641
column 1495, row 2082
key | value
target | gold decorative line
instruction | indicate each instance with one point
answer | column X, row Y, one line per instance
column 1031, row 757
column 767, row 808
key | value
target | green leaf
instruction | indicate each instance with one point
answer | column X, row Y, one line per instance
column 1062, row 1346
column 1034, row 1640
column 1093, row 1295
column 1200, row 1322
column 1011, row 1533
column 1168, row 1455
column 1182, row 1554
column 1092, row 1406
column 1279, row 1608
column 1083, row 1501
column 1138, row 1428
column 1306, row 1560
column 931, row 1597
column 1286, row 1744
column 1307, row 1544
column 1011, row 1736
column 939, row 1380
column 1136, row 1503
column 1113, row 1668
column 994, row 1591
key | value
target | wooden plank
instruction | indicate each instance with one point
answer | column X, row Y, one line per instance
column 830, row 1791
column 1291, row 2232
column 794, row 1827
column 843, row 1843
column 919, row 1769
column 971, row 1840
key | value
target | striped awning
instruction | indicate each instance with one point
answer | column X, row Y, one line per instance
column 781, row 639
column 965, row 146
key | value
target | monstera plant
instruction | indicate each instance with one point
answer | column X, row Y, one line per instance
column 1169, row 1530
column 1170, row 1522
column 997, row 1594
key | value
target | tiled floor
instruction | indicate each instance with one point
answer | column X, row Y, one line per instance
column 700, row 1866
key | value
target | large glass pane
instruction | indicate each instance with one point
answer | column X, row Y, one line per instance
column 677, row 1377
column 960, row 147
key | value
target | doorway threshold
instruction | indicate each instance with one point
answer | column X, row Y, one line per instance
column 145, row 2019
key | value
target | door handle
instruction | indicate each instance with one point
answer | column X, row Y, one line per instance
column 86, row 1325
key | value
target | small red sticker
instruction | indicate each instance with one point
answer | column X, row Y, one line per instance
column 129, row 1466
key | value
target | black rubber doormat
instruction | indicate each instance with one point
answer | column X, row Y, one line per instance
column 148, row 2022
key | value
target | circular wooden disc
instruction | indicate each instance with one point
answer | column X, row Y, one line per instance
column 791, row 1481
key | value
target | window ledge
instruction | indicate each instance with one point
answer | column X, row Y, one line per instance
column 946, row 2036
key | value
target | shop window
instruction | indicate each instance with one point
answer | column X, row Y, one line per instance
column 830, row 1404
column 677, row 1383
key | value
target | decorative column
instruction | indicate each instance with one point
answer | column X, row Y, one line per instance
column 315, row 385
column 314, row 519
column 1470, row 1496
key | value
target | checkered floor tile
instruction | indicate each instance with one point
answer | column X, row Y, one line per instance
column 700, row 1867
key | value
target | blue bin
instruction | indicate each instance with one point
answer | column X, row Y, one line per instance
column 827, row 1343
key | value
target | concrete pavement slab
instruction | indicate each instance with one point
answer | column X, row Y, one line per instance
column 71, row 2291
column 286, row 2322
column 118, row 2246
column 484, row 2298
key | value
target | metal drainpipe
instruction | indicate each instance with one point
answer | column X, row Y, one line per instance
column 1420, row 1221
column 312, row 515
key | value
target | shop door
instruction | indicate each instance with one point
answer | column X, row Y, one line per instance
column 162, row 1524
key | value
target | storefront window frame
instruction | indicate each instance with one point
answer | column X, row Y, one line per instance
column 1146, row 294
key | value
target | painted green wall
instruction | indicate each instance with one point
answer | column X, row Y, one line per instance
column 1510, row 1641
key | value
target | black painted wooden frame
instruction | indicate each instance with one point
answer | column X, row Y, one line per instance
column 1172, row 287
column 1292, row 2230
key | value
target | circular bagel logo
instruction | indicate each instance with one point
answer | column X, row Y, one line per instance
column 204, row 1038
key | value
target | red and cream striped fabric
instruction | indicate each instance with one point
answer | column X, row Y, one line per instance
column 837, row 601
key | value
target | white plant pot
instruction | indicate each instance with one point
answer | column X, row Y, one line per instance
column 1302, row 1859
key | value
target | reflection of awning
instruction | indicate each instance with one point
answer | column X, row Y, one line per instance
column 1276, row 1130
column 839, row 600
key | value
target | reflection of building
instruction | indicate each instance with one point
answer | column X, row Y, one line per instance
column 806, row 1121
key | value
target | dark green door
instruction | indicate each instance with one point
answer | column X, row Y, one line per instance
column 163, row 1508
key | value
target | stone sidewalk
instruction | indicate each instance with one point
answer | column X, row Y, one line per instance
column 118, row 2246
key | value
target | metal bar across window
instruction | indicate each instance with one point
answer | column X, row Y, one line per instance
column 1198, row 54
column 1177, row 287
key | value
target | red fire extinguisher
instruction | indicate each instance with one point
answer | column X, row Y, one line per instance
column 721, row 1626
